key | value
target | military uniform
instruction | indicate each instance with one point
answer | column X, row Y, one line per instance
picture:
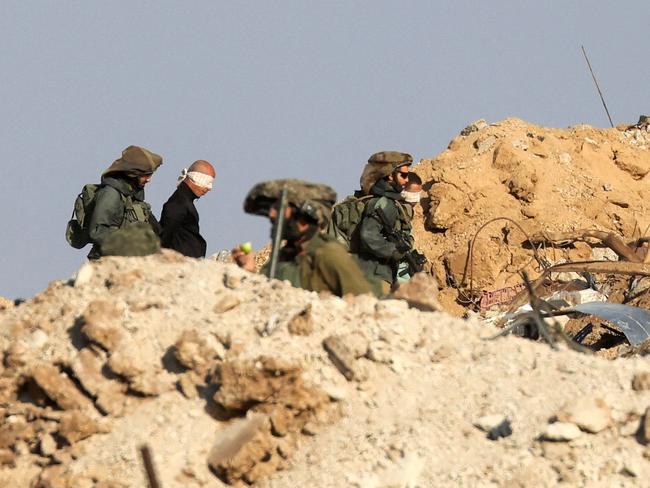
column 119, row 203
column 319, row 263
column 379, row 256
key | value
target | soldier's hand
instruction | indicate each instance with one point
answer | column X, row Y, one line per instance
column 243, row 260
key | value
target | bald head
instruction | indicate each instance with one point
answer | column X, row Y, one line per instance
column 202, row 166
column 199, row 178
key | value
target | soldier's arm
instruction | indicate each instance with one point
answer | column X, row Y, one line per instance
column 107, row 215
column 341, row 272
column 372, row 236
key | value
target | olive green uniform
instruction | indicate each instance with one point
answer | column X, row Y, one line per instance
column 324, row 265
column 118, row 224
column 379, row 256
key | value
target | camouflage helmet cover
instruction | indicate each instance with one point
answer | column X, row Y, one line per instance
column 313, row 200
column 382, row 164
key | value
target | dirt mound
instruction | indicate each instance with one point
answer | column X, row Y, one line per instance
column 546, row 180
column 230, row 378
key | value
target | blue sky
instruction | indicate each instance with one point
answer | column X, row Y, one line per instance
column 277, row 89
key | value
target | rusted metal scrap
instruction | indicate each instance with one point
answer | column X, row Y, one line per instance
column 501, row 296
column 607, row 267
column 609, row 239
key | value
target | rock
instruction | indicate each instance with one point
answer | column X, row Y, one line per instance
column 380, row 352
column 227, row 301
column 84, row 275
column 302, row 323
column 233, row 438
column 420, row 292
column 75, row 426
column 480, row 124
column 193, row 351
column 6, row 304
column 150, row 384
column 489, row 422
column 59, row 388
column 644, row 431
column 7, row 458
column 47, row 445
column 641, row 381
column 631, row 468
column 591, row 414
column 108, row 394
column 484, row 144
column 340, row 356
column 561, row 432
column 102, row 321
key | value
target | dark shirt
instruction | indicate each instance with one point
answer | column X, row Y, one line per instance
column 180, row 224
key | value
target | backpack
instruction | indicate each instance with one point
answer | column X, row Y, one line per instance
column 344, row 224
column 76, row 232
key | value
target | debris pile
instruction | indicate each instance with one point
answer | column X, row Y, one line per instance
column 233, row 379
column 557, row 195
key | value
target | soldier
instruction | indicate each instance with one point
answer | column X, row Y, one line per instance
column 411, row 195
column 309, row 259
column 385, row 229
column 121, row 222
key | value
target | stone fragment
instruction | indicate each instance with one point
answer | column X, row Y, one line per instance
column 193, row 351
column 475, row 126
column 420, row 292
column 150, row 384
column 102, row 321
column 641, row 381
column 380, row 352
column 564, row 158
column 59, row 388
column 589, row 413
column 76, row 425
column 108, row 394
column 489, row 422
column 340, row 356
column 644, row 431
column 7, row 458
column 47, row 445
column 484, row 143
column 561, row 432
column 123, row 365
column 6, row 304
column 302, row 323
column 233, row 438
column 227, row 301
column 187, row 383
column 84, row 275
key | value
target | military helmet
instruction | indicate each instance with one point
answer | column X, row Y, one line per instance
column 311, row 200
column 382, row 164
column 392, row 157
column 135, row 161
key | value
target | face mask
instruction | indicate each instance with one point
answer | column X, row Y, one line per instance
column 411, row 196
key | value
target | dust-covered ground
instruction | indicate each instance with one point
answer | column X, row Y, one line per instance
column 208, row 364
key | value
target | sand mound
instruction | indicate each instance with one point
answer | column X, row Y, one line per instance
column 546, row 180
column 230, row 378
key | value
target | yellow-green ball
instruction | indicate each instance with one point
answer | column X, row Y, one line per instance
column 246, row 247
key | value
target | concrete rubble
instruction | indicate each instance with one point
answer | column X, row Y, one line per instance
column 234, row 380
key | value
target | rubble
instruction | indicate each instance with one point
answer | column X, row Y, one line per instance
column 234, row 379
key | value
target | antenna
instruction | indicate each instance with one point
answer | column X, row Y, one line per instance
column 597, row 87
